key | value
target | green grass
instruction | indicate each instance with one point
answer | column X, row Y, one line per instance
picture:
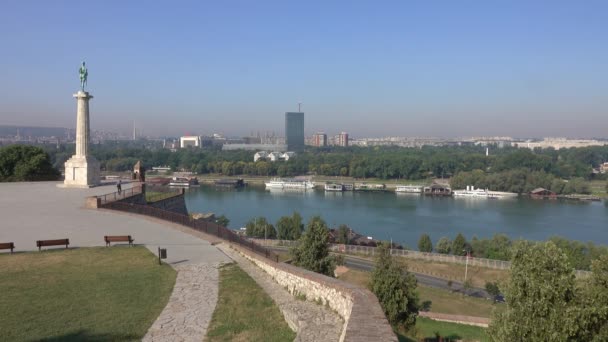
column 442, row 301
column 429, row 329
column 447, row 302
column 155, row 196
column 244, row 312
column 94, row 294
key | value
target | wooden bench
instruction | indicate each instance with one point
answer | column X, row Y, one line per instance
column 118, row 238
column 7, row 245
column 59, row 242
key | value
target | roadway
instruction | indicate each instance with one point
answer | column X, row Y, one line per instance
column 423, row 279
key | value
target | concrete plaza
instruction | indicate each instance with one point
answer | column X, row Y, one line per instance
column 42, row 211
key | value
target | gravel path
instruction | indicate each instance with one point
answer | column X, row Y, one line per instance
column 311, row 322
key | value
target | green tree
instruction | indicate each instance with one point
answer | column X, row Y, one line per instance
column 540, row 297
column 343, row 234
column 593, row 312
column 222, row 221
column 290, row 227
column 312, row 252
column 493, row 290
column 459, row 245
column 443, row 246
column 26, row 163
column 425, row 244
column 260, row 228
column 395, row 289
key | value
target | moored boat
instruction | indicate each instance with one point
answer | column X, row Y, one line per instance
column 183, row 182
column 334, row 187
column 411, row 189
column 278, row 183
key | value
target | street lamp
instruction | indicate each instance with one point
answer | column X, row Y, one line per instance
column 466, row 265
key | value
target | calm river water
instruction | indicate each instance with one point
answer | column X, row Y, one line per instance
column 404, row 217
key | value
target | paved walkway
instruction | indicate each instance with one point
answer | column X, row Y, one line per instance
column 40, row 211
column 188, row 313
column 312, row 322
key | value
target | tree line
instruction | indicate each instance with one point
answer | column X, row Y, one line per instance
column 580, row 255
column 20, row 163
column 360, row 162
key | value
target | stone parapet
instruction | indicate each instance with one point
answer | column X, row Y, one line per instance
column 363, row 317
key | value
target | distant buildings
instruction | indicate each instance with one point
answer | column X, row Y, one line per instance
column 319, row 140
column 294, row 131
column 189, row 141
column 342, row 139
column 254, row 147
column 558, row 143
column 273, row 156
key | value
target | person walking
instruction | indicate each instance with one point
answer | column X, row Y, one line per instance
column 119, row 186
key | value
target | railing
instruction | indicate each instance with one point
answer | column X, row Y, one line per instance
column 116, row 196
column 366, row 250
column 199, row 225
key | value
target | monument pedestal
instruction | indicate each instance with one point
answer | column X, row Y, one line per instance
column 81, row 172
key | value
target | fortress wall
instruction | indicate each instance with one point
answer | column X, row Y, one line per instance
column 363, row 317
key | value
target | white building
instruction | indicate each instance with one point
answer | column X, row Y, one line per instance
column 260, row 155
column 273, row 156
column 190, row 141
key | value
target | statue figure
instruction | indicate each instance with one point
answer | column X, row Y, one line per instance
column 83, row 76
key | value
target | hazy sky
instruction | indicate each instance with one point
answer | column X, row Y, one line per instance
column 372, row 68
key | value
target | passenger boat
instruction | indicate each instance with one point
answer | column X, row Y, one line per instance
column 369, row 187
column 412, row 189
column 278, row 183
column 470, row 191
column 334, row 187
column 184, row 182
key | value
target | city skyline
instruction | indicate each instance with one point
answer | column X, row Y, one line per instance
column 373, row 70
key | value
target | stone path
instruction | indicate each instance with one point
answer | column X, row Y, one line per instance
column 311, row 322
column 191, row 305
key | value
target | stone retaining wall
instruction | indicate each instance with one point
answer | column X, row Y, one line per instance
column 363, row 317
column 176, row 204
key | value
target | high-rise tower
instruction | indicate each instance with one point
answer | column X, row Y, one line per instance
column 294, row 131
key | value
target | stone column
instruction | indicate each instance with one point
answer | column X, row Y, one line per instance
column 82, row 170
column 82, row 123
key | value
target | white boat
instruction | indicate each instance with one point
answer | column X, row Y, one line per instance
column 334, row 187
column 412, row 189
column 183, row 182
column 470, row 191
column 278, row 183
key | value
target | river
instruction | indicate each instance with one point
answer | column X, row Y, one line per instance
column 404, row 217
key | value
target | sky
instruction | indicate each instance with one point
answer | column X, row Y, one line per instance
column 371, row 68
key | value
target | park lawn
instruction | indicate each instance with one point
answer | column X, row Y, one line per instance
column 442, row 301
column 429, row 329
column 244, row 312
column 96, row 294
